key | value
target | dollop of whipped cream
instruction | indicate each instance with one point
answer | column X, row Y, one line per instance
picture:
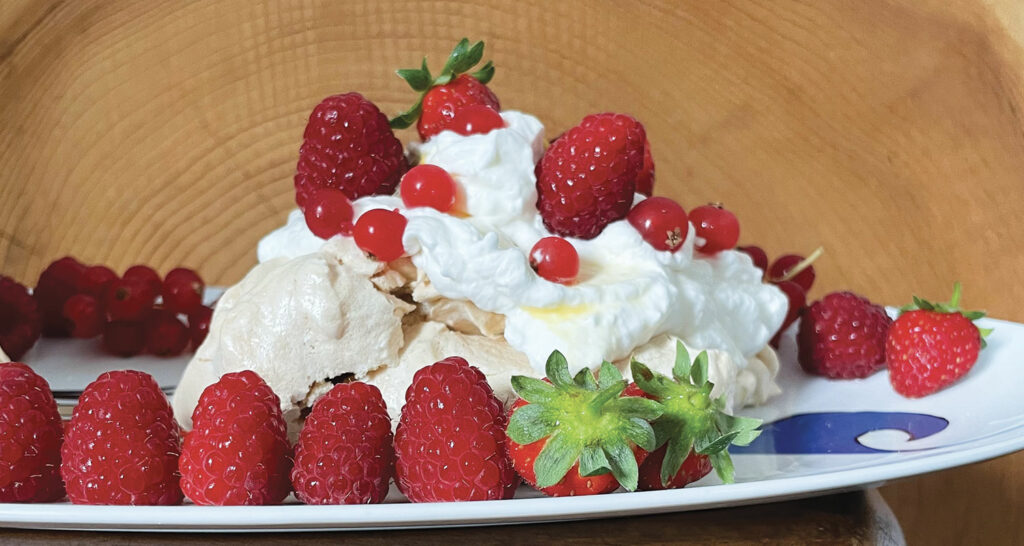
column 626, row 294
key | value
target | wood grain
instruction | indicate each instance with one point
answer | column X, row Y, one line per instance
column 888, row 131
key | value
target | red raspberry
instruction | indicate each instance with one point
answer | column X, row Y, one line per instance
column 694, row 468
column 237, row 452
column 183, row 291
column 645, row 180
column 122, row 444
column 345, row 453
column 348, row 145
column 587, row 177
column 86, row 315
column 147, row 274
column 842, row 336
column 165, row 334
column 450, row 441
column 95, row 279
column 442, row 102
column 129, row 300
column 20, row 320
column 124, row 338
column 199, row 325
column 57, row 283
column 30, row 437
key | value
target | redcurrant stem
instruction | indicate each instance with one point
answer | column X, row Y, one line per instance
column 803, row 264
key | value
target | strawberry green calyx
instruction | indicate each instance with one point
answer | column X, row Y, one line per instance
column 952, row 306
column 463, row 58
column 584, row 419
column 692, row 420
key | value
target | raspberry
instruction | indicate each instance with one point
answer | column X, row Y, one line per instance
column 146, row 274
column 183, row 291
column 86, row 316
column 442, row 102
column 237, row 452
column 199, row 325
column 20, row 320
column 57, row 283
column 129, row 300
column 348, row 145
column 165, row 334
column 122, row 444
column 30, row 437
column 345, row 453
column 124, row 338
column 645, row 180
column 842, row 336
column 694, row 468
column 450, row 441
column 587, row 178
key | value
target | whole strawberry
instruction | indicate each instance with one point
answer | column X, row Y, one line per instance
column 345, row 453
column 30, row 437
column 348, row 146
column 450, row 440
column 931, row 345
column 20, row 321
column 693, row 468
column 572, row 436
column 842, row 336
column 453, row 89
column 122, row 444
column 587, row 178
column 237, row 452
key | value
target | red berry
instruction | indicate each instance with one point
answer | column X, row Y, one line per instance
column 123, row 338
column 587, row 178
column 199, row 325
column 717, row 226
column 450, row 441
column 694, row 468
column 57, row 283
column 757, row 254
column 238, row 451
column 661, row 222
column 379, row 232
column 183, row 291
column 555, row 259
column 86, row 316
column 428, row 186
column 165, row 334
column 20, row 320
column 571, row 485
column 645, row 180
column 129, row 300
column 842, row 336
column 476, row 119
column 146, row 274
column 348, row 145
column 31, row 434
column 345, row 453
column 122, row 444
column 442, row 102
column 95, row 279
column 328, row 213
column 797, row 300
column 783, row 264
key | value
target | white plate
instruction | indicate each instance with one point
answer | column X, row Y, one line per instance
column 846, row 435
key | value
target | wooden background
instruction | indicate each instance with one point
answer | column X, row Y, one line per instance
column 888, row 131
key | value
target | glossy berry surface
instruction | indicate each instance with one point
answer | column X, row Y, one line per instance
column 122, row 444
column 345, row 453
column 57, row 283
column 796, row 301
column 348, row 145
column 645, row 180
column 145, row 274
column 379, row 233
column 31, row 434
column 929, row 350
column 165, row 334
column 441, row 103
column 661, row 222
column 783, row 264
column 20, row 320
column 571, row 485
column 124, row 338
column 555, row 259
column 587, row 177
column 842, row 336
column 95, row 279
column 717, row 226
column 450, row 441
column 183, row 290
column 328, row 212
column 86, row 316
column 757, row 255
column 476, row 119
column 129, row 300
column 199, row 325
column 428, row 186
column 237, row 452
column 694, row 468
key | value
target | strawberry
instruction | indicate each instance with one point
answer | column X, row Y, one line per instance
column 443, row 96
column 588, row 176
column 238, row 451
column 345, row 453
column 694, row 467
column 122, row 444
column 692, row 423
column 576, row 435
column 842, row 336
column 348, row 145
column 30, row 437
column 450, row 440
column 931, row 345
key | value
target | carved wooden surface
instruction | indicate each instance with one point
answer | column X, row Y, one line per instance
column 888, row 131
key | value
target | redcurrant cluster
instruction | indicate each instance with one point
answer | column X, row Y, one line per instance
column 793, row 274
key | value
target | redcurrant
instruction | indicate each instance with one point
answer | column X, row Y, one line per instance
column 661, row 222
column 379, row 233
column 328, row 213
column 782, row 266
column 555, row 259
column 124, row 338
column 85, row 314
column 165, row 334
column 199, row 325
column 476, row 119
column 183, row 291
column 428, row 186
column 146, row 274
column 797, row 300
column 95, row 279
column 757, row 254
column 129, row 300
column 717, row 226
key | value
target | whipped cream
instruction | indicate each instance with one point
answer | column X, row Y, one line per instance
column 626, row 294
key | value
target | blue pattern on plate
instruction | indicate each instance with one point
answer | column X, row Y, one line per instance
column 838, row 432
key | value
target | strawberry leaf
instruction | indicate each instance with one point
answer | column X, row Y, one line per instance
column 651, row 383
column 418, row 79
column 529, row 423
column 706, row 445
column 699, row 371
column 623, row 464
column 459, row 52
column 681, row 369
column 637, row 407
column 533, row 390
column 557, row 370
column 593, row 462
column 485, row 74
column 608, row 374
column 407, row 118
column 556, row 458
column 722, row 464
column 675, row 454
column 585, row 379
column 640, row 432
